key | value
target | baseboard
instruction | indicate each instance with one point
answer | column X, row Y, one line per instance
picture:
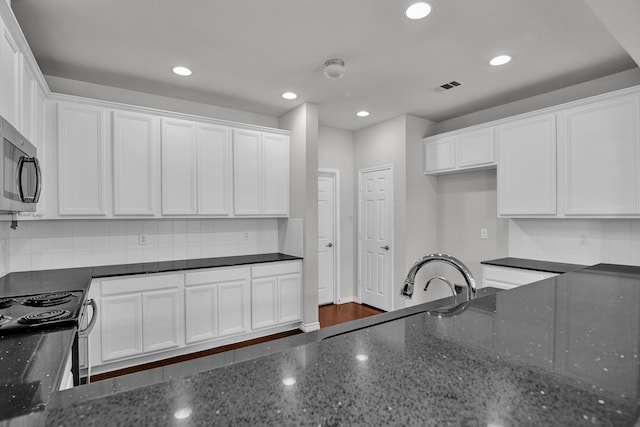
column 310, row 327
column 344, row 300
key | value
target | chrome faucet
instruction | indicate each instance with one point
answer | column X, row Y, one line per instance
column 407, row 289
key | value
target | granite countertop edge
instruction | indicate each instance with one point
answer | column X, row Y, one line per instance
column 534, row 264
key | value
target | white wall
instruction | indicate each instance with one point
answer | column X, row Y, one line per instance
column 126, row 96
column 385, row 144
column 605, row 84
column 336, row 151
column 576, row 241
column 467, row 202
column 303, row 195
column 41, row 245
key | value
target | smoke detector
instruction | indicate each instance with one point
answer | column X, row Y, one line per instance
column 334, row 68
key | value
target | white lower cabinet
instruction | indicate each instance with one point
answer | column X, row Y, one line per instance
column 275, row 294
column 150, row 317
column 137, row 315
column 216, row 303
column 507, row 278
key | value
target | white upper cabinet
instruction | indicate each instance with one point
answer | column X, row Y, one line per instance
column 247, row 172
column 440, row 155
column 9, row 77
column 28, row 87
column 136, row 157
column 196, row 168
column 81, row 160
column 600, row 158
column 462, row 151
column 179, row 168
column 214, row 170
column 275, row 174
column 261, row 173
column 527, row 167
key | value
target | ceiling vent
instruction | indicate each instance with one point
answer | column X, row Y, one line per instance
column 449, row 85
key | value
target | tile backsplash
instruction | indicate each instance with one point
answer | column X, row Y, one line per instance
column 578, row 241
column 41, row 245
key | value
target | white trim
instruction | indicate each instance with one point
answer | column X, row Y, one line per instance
column 310, row 327
column 336, row 229
column 60, row 97
column 391, row 231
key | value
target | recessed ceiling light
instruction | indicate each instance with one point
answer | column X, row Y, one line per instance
column 182, row 71
column 362, row 113
column 418, row 10
column 289, row 95
column 500, row 60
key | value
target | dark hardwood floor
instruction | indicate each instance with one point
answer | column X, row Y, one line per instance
column 328, row 315
column 333, row 314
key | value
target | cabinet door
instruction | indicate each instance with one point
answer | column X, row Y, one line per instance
column 214, row 170
column 179, row 168
column 201, row 313
column 601, row 155
column 264, row 310
column 233, row 312
column 9, row 77
column 527, row 167
column 440, row 155
column 475, row 148
column 27, row 100
column 121, row 326
column 161, row 313
column 247, row 172
column 275, row 174
column 135, row 158
column 81, row 160
column 289, row 301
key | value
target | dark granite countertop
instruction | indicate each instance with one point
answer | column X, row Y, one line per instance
column 563, row 351
column 533, row 264
column 33, row 362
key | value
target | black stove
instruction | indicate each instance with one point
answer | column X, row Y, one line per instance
column 47, row 310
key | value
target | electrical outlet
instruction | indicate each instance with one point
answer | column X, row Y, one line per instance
column 582, row 240
column 142, row 239
column 244, row 236
column 484, row 233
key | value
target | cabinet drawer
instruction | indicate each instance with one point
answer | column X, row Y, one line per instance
column 216, row 275
column 506, row 278
column 140, row 284
column 275, row 269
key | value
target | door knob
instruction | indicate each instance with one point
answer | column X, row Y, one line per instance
column 385, row 247
column 330, row 245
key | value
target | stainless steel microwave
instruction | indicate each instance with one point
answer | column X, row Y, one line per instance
column 20, row 174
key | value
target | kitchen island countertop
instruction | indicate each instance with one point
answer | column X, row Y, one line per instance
column 563, row 351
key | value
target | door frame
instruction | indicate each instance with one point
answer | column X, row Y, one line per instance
column 335, row 173
column 391, row 229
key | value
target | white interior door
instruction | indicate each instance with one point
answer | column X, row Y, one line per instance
column 326, row 237
column 375, row 231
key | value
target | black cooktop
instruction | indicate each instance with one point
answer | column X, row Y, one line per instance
column 39, row 311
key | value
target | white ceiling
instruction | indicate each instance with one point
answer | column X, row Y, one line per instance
column 245, row 53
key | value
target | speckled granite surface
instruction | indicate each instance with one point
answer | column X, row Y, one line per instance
column 562, row 352
column 31, row 363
